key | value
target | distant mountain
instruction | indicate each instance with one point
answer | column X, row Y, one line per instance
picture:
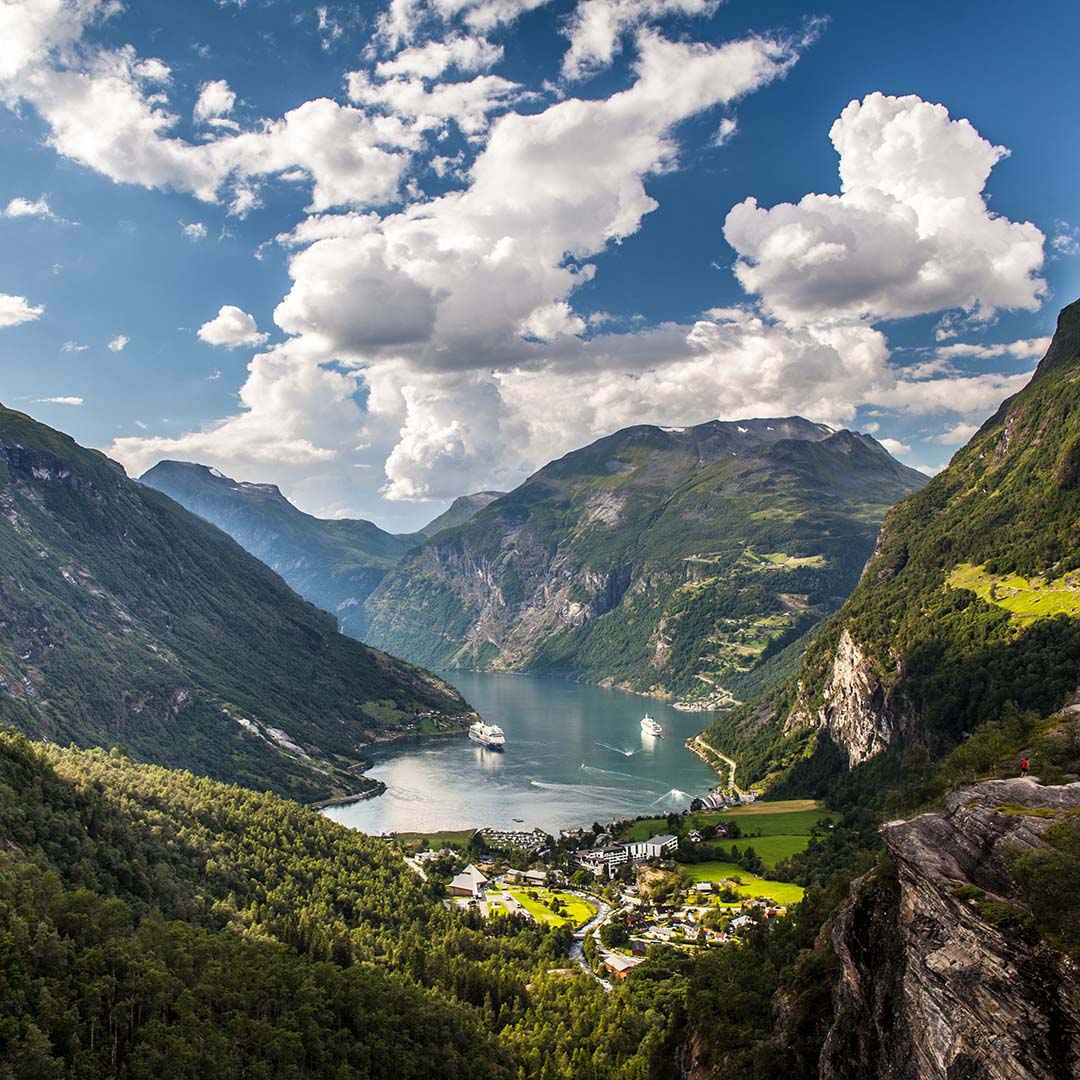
column 462, row 509
column 335, row 564
column 125, row 619
column 672, row 560
column 970, row 603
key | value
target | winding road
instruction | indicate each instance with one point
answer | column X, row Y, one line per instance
column 709, row 754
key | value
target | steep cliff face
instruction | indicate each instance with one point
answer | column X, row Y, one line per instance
column 856, row 709
column 667, row 560
column 938, row 980
column 972, row 597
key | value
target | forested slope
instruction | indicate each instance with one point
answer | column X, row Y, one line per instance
column 154, row 924
column 970, row 605
column 125, row 619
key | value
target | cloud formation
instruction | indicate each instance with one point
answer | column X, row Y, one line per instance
column 433, row 333
column 231, row 327
column 215, row 100
column 15, row 310
column 910, row 232
column 597, row 27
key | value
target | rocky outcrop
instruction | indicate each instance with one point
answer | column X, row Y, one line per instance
column 856, row 709
column 934, row 984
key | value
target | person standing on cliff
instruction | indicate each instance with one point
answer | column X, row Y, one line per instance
column 1023, row 766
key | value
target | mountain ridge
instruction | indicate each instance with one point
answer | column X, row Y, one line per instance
column 970, row 603
column 334, row 563
column 607, row 563
column 126, row 619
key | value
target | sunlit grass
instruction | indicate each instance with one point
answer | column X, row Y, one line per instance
column 1026, row 599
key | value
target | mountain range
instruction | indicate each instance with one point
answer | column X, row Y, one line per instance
column 336, row 563
column 693, row 561
column 126, row 619
column 674, row 561
column 164, row 924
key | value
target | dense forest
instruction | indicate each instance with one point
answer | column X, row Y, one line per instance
column 153, row 923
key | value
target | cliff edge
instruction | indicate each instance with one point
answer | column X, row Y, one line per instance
column 942, row 977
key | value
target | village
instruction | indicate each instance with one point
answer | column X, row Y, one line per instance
column 626, row 890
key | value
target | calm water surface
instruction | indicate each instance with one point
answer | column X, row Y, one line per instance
column 574, row 754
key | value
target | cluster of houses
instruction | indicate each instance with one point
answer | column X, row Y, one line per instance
column 610, row 857
column 532, row 840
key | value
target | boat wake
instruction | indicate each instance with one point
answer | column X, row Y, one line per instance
column 610, row 772
column 618, row 749
column 675, row 796
column 594, row 792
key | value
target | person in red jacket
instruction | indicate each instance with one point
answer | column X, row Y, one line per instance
column 1023, row 766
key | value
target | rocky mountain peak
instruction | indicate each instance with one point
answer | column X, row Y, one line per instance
column 1065, row 346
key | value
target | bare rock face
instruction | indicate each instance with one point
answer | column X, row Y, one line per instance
column 931, row 989
column 856, row 709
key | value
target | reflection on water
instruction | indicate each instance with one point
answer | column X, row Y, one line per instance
column 574, row 754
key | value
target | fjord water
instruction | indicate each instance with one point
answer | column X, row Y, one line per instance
column 575, row 753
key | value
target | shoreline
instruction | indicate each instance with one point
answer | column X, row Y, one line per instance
column 706, row 753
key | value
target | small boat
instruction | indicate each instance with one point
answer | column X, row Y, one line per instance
column 650, row 726
column 489, row 735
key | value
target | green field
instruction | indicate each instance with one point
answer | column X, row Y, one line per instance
column 770, row 849
column 578, row 912
column 780, row 891
column 795, row 823
column 1025, row 599
column 784, row 828
column 793, row 818
column 435, row 841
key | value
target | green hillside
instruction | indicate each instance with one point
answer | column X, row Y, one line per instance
column 682, row 561
column 969, row 605
column 124, row 619
column 333, row 564
column 155, row 924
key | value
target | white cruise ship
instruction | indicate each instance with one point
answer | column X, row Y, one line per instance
column 650, row 726
column 489, row 735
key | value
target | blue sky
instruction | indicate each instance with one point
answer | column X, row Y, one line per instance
column 385, row 254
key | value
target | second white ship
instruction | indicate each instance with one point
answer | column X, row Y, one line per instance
column 489, row 735
column 650, row 726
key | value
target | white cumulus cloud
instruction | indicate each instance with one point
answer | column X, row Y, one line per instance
column 118, row 343
column 231, row 327
column 428, row 61
column 910, row 232
column 20, row 207
column 215, row 99
column 1024, row 349
column 597, row 27
column 17, row 309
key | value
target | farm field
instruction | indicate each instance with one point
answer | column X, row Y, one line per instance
column 781, row 891
column 435, row 841
column 770, row 849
